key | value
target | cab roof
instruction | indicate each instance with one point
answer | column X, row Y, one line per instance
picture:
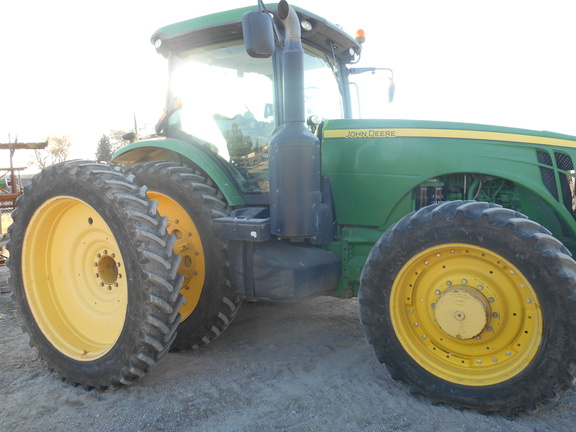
column 226, row 26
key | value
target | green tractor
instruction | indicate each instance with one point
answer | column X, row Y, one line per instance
column 260, row 185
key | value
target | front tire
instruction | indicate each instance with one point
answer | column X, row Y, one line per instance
column 472, row 305
column 93, row 274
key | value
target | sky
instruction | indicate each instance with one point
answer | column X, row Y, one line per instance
column 82, row 68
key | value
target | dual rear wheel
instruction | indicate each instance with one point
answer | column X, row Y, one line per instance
column 105, row 269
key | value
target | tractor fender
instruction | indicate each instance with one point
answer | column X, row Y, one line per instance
column 186, row 153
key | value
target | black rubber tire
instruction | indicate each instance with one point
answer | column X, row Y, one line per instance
column 149, row 266
column 543, row 260
column 199, row 197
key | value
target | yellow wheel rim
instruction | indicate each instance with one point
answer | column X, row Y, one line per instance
column 188, row 245
column 466, row 314
column 73, row 278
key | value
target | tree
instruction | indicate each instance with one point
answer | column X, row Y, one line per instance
column 57, row 150
column 104, row 150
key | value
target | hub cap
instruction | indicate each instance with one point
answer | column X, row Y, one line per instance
column 461, row 312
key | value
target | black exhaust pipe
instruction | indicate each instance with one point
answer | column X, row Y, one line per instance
column 294, row 152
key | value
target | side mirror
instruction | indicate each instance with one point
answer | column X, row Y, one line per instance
column 129, row 136
column 391, row 90
column 391, row 86
column 258, row 31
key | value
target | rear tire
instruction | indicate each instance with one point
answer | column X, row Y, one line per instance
column 191, row 201
column 93, row 274
column 472, row 305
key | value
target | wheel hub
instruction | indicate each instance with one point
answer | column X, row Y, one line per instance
column 107, row 268
column 462, row 312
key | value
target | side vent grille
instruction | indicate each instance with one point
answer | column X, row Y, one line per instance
column 564, row 167
column 548, row 177
column 567, row 181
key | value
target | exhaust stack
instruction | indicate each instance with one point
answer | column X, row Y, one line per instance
column 294, row 152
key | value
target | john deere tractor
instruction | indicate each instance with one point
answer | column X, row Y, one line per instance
column 260, row 185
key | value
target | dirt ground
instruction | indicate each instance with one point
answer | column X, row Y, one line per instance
column 279, row 367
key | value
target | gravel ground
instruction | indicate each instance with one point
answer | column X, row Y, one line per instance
column 279, row 367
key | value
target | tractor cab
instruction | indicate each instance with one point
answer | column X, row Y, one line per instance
column 225, row 102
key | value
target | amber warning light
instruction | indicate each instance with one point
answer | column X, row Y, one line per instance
column 360, row 36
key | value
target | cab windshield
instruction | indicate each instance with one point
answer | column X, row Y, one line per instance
column 228, row 105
